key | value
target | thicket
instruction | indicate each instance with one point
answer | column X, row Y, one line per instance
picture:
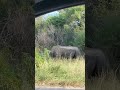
column 65, row 28
column 16, row 44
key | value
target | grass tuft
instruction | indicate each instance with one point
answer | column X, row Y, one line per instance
column 61, row 72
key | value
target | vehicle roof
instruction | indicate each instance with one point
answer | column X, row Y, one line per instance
column 45, row 6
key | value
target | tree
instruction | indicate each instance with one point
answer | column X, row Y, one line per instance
column 67, row 28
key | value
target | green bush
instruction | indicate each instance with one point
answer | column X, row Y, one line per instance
column 41, row 56
column 8, row 77
column 16, row 77
column 38, row 58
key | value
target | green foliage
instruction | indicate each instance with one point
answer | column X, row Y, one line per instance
column 55, row 72
column 12, row 77
column 46, row 54
column 57, row 21
column 8, row 77
column 80, row 39
column 67, row 28
column 38, row 59
column 27, row 73
column 41, row 56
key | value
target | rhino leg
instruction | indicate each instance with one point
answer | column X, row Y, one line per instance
column 90, row 66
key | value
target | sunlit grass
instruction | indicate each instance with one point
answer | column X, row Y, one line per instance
column 61, row 72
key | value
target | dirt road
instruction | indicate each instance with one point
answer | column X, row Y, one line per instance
column 57, row 88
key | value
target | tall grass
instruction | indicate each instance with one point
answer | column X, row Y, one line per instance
column 60, row 72
column 107, row 81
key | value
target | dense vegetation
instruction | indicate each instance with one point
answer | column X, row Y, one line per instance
column 58, row 72
column 65, row 28
column 16, row 44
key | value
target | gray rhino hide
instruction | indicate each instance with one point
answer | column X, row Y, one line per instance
column 64, row 52
column 96, row 62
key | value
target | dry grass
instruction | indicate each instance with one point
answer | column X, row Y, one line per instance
column 105, row 82
column 61, row 73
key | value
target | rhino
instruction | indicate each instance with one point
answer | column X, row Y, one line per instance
column 96, row 62
column 65, row 52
